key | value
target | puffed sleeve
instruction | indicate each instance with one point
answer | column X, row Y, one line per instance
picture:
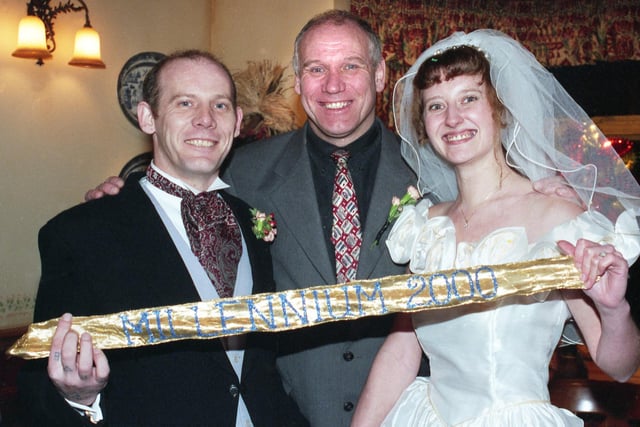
column 405, row 231
column 591, row 225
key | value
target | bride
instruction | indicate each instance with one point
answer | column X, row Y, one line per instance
column 481, row 120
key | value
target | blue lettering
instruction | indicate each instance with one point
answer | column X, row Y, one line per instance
column 174, row 334
column 159, row 324
column 416, row 282
column 270, row 322
column 432, row 292
column 376, row 294
column 469, row 282
column 303, row 319
column 138, row 328
column 494, row 282
column 223, row 318
column 196, row 319
column 316, row 300
column 346, row 304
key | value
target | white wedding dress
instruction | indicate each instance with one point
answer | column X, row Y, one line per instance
column 489, row 362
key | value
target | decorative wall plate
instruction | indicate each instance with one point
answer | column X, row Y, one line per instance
column 130, row 82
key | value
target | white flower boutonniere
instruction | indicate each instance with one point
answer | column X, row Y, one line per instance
column 264, row 226
column 411, row 197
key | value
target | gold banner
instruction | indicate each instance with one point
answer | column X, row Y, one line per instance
column 301, row 308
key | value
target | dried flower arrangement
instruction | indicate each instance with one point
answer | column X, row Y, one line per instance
column 262, row 87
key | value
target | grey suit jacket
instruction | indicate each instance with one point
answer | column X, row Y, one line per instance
column 323, row 367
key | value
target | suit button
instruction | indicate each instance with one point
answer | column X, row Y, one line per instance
column 234, row 390
column 348, row 356
column 348, row 406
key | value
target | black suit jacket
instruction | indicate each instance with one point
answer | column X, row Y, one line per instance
column 115, row 254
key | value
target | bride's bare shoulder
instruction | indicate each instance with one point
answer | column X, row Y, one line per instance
column 440, row 209
column 551, row 209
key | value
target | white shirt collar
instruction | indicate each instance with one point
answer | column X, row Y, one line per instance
column 218, row 184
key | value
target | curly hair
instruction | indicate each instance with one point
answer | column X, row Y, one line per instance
column 444, row 66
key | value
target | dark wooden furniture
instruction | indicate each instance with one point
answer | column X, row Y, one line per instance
column 579, row 386
column 599, row 403
column 9, row 367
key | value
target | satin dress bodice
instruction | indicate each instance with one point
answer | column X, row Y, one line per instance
column 489, row 362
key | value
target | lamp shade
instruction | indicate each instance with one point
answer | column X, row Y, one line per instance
column 32, row 40
column 86, row 52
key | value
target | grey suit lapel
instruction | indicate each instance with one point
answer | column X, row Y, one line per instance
column 295, row 208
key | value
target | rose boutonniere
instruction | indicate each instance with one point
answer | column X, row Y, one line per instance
column 411, row 197
column 264, row 226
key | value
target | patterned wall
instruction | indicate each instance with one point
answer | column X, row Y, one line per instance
column 558, row 32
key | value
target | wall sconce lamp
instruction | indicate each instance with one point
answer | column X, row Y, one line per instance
column 36, row 39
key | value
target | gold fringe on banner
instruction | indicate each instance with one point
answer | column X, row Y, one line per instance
column 302, row 308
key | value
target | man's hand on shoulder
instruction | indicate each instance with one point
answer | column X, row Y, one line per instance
column 557, row 186
column 110, row 187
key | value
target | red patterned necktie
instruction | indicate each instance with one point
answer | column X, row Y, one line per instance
column 213, row 231
column 346, row 233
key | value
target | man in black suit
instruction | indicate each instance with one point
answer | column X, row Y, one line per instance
column 132, row 251
column 339, row 70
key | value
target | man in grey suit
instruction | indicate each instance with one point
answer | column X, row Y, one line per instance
column 339, row 70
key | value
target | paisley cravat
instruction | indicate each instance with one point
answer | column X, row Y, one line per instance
column 214, row 234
